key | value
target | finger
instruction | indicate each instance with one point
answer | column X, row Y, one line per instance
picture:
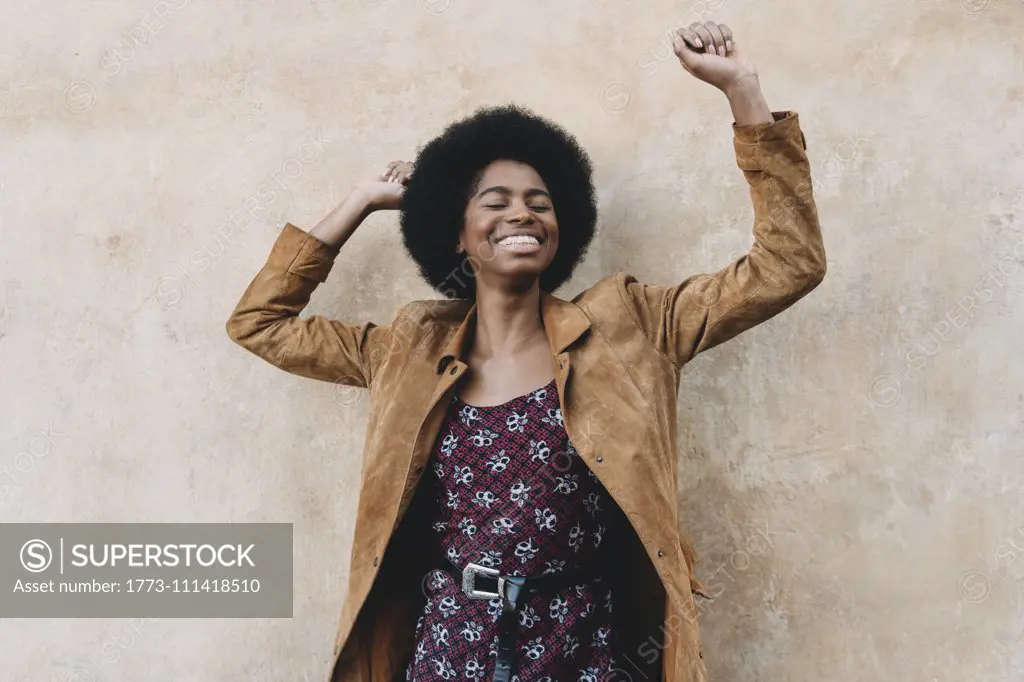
column 716, row 37
column 688, row 40
column 402, row 171
column 705, row 37
column 679, row 45
column 689, row 58
column 387, row 172
column 691, row 39
column 727, row 35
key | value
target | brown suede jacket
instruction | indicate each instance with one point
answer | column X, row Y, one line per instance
column 617, row 350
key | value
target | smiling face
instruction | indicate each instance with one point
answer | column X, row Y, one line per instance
column 510, row 231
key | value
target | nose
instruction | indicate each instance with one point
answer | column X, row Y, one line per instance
column 521, row 216
column 520, row 211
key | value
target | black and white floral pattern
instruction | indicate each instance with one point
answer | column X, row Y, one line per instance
column 512, row 493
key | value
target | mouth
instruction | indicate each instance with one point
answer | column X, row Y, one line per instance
column 520, row 243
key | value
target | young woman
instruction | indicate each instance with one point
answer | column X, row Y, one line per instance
column 517, row 517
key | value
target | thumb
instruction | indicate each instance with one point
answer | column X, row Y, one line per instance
column 688, row 57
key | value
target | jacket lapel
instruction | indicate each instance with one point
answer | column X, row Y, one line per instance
column 564, row 322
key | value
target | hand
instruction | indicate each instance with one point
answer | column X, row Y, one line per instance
column 709, row 53
column 386, row 190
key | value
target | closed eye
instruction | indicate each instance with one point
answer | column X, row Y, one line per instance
column 532, row 208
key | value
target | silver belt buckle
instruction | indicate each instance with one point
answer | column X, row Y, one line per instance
column 469, row 574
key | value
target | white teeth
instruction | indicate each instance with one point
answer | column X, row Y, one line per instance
column 519, row 239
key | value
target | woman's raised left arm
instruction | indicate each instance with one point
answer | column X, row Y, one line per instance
column 787, row 259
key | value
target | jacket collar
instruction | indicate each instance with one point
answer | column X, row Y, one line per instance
column 564, row 322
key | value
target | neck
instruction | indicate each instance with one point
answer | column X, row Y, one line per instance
column 507, row 322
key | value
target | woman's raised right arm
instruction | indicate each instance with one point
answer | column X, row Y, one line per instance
column 266, row 320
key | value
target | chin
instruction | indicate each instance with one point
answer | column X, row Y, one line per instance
column 523, row 271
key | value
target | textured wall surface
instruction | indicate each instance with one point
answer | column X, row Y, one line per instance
column 851, row 470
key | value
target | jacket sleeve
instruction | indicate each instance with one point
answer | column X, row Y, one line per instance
column 266, row 320
column 786, row 261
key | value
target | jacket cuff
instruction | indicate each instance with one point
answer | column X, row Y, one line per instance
column 298, row 252
column 748, row 140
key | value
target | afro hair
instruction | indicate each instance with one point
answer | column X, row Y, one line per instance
column 447, row 172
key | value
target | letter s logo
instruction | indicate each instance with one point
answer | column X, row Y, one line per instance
column 36, row 556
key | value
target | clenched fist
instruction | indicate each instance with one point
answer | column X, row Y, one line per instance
column 708, row 51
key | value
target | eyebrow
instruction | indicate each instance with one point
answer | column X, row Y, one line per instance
column 501, row 189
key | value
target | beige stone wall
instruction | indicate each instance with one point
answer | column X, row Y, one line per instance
column 850, row 471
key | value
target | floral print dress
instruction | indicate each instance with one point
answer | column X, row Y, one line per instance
column 510, row 492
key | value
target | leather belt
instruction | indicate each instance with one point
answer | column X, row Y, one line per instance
column 483, row 582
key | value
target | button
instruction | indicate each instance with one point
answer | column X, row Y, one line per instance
column 660, row 553
column 375, row 559
column 453, row 370
column 600, row 459
column 419, row 467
